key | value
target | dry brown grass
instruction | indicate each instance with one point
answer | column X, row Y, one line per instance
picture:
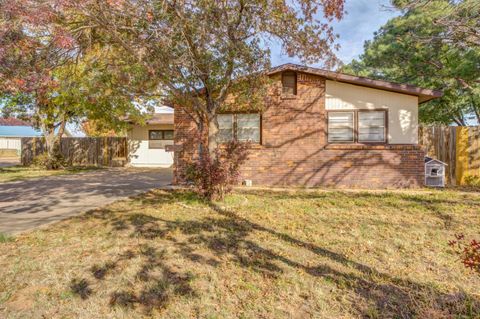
column 259, row 254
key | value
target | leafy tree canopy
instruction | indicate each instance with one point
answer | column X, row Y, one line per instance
column 53, row 76
column 197, row 49
column 433, row 44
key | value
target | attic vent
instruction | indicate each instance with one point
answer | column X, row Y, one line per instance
column 434, row 172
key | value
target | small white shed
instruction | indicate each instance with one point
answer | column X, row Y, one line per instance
column 434, row 172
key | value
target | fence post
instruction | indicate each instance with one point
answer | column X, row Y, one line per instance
column 461, row 160
column 105, row 151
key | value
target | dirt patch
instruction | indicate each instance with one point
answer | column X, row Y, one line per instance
column 25, row 298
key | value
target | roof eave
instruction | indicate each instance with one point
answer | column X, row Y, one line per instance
column 424, row 95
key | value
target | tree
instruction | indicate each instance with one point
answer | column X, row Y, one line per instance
column 200, row 50
column 93, row 128
column 460, row 21
column 53, row 76
column 421, row 48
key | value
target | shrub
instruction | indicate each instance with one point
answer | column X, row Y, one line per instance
column 213, row 177
column 472, row 180
column 49, row 162
column 469, row 252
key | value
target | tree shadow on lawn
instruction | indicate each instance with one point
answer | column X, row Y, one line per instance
column 226, row 236
column 159, row 282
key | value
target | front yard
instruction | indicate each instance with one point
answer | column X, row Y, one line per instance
column 259, row 254
column 16, row 173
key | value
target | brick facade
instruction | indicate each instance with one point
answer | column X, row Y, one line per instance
column 294, row 148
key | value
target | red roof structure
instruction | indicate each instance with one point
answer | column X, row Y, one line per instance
column 11, row 121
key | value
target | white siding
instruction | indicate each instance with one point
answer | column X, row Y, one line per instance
column 11, row 143
column 139, row 152
column 402, row 108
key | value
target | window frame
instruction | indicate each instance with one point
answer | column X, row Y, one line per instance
column 234, row 126
column 356, row 126
column 163, row 135
column 385, row 123
column 295, row 89
column 353, row 128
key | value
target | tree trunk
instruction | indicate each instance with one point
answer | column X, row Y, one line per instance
column 52, row 143
column 212, row 136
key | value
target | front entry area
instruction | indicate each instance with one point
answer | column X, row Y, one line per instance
column 146, row 145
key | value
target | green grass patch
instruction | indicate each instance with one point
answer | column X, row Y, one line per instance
column 15, row 173
column 258, row 254
column 4, row 238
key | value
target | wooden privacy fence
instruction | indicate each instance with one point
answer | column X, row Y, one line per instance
column 459, row 147
column 81, row 151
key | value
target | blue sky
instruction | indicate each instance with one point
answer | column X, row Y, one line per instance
column 363, row 18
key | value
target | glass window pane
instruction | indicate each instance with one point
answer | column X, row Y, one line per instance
column 168, row 134
column 249, row 134
column 340, row 126
column 371, row 119
column 248, row 120
column 224, row 136
column 225, row 121
column 248, row 127
column 371, row 126
column 289, row 83
column 340, row 135
column 155, row 135
column 225, row 128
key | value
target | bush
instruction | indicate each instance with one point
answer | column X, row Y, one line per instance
column 469, row 252
column 472, row 180
column 215, row 177
column 49, row 162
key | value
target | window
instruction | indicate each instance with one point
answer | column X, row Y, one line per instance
column 357, row 126
column 248, row 127
column 157, row 139
column 242, row 127
column 160, row 135
column 225, row 128
column 340, row 127
column 289, row 83
column 371, row 126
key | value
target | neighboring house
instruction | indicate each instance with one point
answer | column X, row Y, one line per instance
column 323, row 128
column 11, row 132
column 146, row 143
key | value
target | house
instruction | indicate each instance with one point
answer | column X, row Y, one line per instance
column 323, row 128
column 146, row 143
column 11, row 132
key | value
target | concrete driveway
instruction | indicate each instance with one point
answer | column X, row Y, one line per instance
column 9, row 161
column 28, row 204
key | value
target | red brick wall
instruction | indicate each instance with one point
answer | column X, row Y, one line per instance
column 294, row 149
